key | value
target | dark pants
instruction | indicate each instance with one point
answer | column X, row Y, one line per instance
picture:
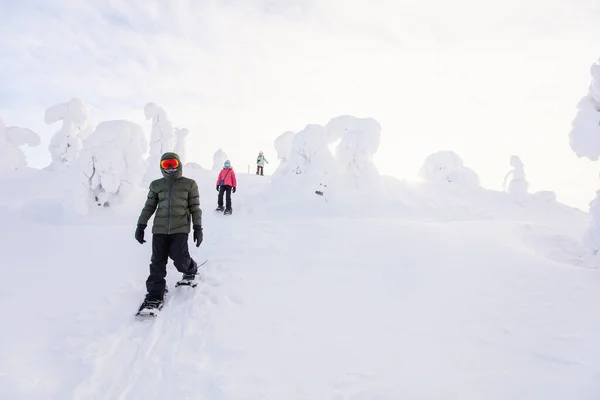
column 222, row 190
column 163, row 247
column 259, row 169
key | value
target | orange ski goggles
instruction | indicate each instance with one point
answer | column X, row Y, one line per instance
column 170, row 163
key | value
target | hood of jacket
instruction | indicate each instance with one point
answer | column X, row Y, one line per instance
column 179, row 173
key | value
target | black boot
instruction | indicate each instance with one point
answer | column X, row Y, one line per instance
column 189, row 278
column 151, row 306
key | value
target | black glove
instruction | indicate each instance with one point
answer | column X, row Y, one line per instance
column 198, row 236
column 139, row 233
column 218, row 187
column 233, row 190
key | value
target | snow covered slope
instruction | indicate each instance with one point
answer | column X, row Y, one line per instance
column 436, row 292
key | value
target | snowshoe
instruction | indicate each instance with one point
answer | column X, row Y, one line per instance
column 150, row 307
column 188, row 280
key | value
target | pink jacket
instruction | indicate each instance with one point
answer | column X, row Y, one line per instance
column 229, row 179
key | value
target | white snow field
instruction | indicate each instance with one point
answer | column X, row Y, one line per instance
column 438, row 291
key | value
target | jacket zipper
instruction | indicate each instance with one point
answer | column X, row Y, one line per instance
column 170, row 203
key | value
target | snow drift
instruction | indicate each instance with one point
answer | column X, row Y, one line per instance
column 11, row 138
column 112, row 163
column 67, row 142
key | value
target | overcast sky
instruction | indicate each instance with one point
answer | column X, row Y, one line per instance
column 486, row 79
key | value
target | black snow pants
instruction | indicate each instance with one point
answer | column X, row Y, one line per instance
column 163, row 247
column 222, row 190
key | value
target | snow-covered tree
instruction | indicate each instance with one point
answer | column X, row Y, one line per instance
column 77, row 126
column 310, row 165
column 11, row 138
column 584, row 136
column 218, row 159
column 584, row 139
column 518, row 185
column 310, row 154
column 591, row 239
column 283, row 145
column 162, row 138
column 180, row 143
column 112, row 163
column 447, row 166
column 360, row 138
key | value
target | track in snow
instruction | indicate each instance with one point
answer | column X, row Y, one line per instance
column 157, row 358
column 144, row 358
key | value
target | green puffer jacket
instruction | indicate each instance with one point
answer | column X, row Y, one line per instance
column 176, row 201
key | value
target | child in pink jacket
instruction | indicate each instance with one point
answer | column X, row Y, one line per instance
column 226, row 183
